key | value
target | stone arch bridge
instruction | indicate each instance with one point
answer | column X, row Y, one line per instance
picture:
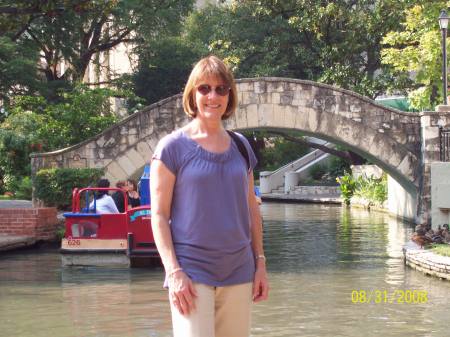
column 401, row 143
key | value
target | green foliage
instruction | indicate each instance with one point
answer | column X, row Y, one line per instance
column 338, row 167
column 164, row 68
column 77, row 116
column 347, row 185
column 76, row 32
column 35, row 125
column 280, row 152
column 54, row 186
column 14, row 154
column 372, row 189
column 317, row 171
column 416, row 47
column 441, row 249
column 18, row 73
column 329, row 41
column 60, row 233
column 24, row 189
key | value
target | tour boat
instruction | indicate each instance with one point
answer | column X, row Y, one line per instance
column 124, row 239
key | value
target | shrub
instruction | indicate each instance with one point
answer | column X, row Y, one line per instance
column 338, row 166
column 318, row 171
column 24, row 189
column 54, row 186
column 347, row 185
column 372, row 189
column 14, row 155
column 60, row 232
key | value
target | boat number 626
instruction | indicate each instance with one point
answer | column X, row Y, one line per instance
column 73, row 242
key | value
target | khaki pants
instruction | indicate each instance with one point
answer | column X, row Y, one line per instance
column 220, row 312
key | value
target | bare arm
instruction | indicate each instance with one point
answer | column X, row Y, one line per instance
column 255, row 218
column 162, row 182
column 260, row 283
column 181, row 290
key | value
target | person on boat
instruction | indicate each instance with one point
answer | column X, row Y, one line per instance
column 103, row 201
column 205, row 218
column 132, row 192
column 118, row 196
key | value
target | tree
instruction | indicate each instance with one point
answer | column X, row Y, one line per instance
column 336, row 42
column 46, row 47
column 34, row 125
column 164, row 68
column 17, row 70
column 82, row 113
column 75, row 32
column 415, row 49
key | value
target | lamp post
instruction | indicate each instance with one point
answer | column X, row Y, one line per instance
column 443, row 23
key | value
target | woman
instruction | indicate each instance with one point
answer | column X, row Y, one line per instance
column 133, row 196
column 103, row 203
column 118, row 196
column 205, row 218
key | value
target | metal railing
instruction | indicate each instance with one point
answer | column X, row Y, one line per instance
column 444, row 144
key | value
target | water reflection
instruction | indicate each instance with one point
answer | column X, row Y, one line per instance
column 317, row 256
column 321, row 255
column 39, row 298
column 121, row 309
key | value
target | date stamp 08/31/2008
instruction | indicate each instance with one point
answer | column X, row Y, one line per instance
column 378, row 296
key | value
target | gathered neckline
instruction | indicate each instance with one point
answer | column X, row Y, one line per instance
column 198, row 145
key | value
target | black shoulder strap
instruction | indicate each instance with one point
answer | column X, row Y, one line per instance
column 241, row 147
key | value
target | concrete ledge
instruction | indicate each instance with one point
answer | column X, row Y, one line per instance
column 426, row 261
column 10, row 242
column 299, row 198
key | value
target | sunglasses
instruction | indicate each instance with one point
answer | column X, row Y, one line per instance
column 221, row 90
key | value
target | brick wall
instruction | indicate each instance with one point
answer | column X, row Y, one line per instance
column 39, row 223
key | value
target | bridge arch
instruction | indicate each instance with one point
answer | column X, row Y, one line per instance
column 389, row 138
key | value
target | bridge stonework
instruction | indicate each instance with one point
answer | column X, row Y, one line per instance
column 389, row 138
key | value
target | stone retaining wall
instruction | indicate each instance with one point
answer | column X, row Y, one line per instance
column 317, row 191
column 427, row 261
column 39, row 223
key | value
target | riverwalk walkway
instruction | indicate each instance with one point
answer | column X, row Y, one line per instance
column 15, row 204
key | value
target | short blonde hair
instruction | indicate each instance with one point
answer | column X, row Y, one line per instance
column 210, row 66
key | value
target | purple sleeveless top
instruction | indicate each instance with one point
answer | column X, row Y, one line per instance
column 210, row 218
